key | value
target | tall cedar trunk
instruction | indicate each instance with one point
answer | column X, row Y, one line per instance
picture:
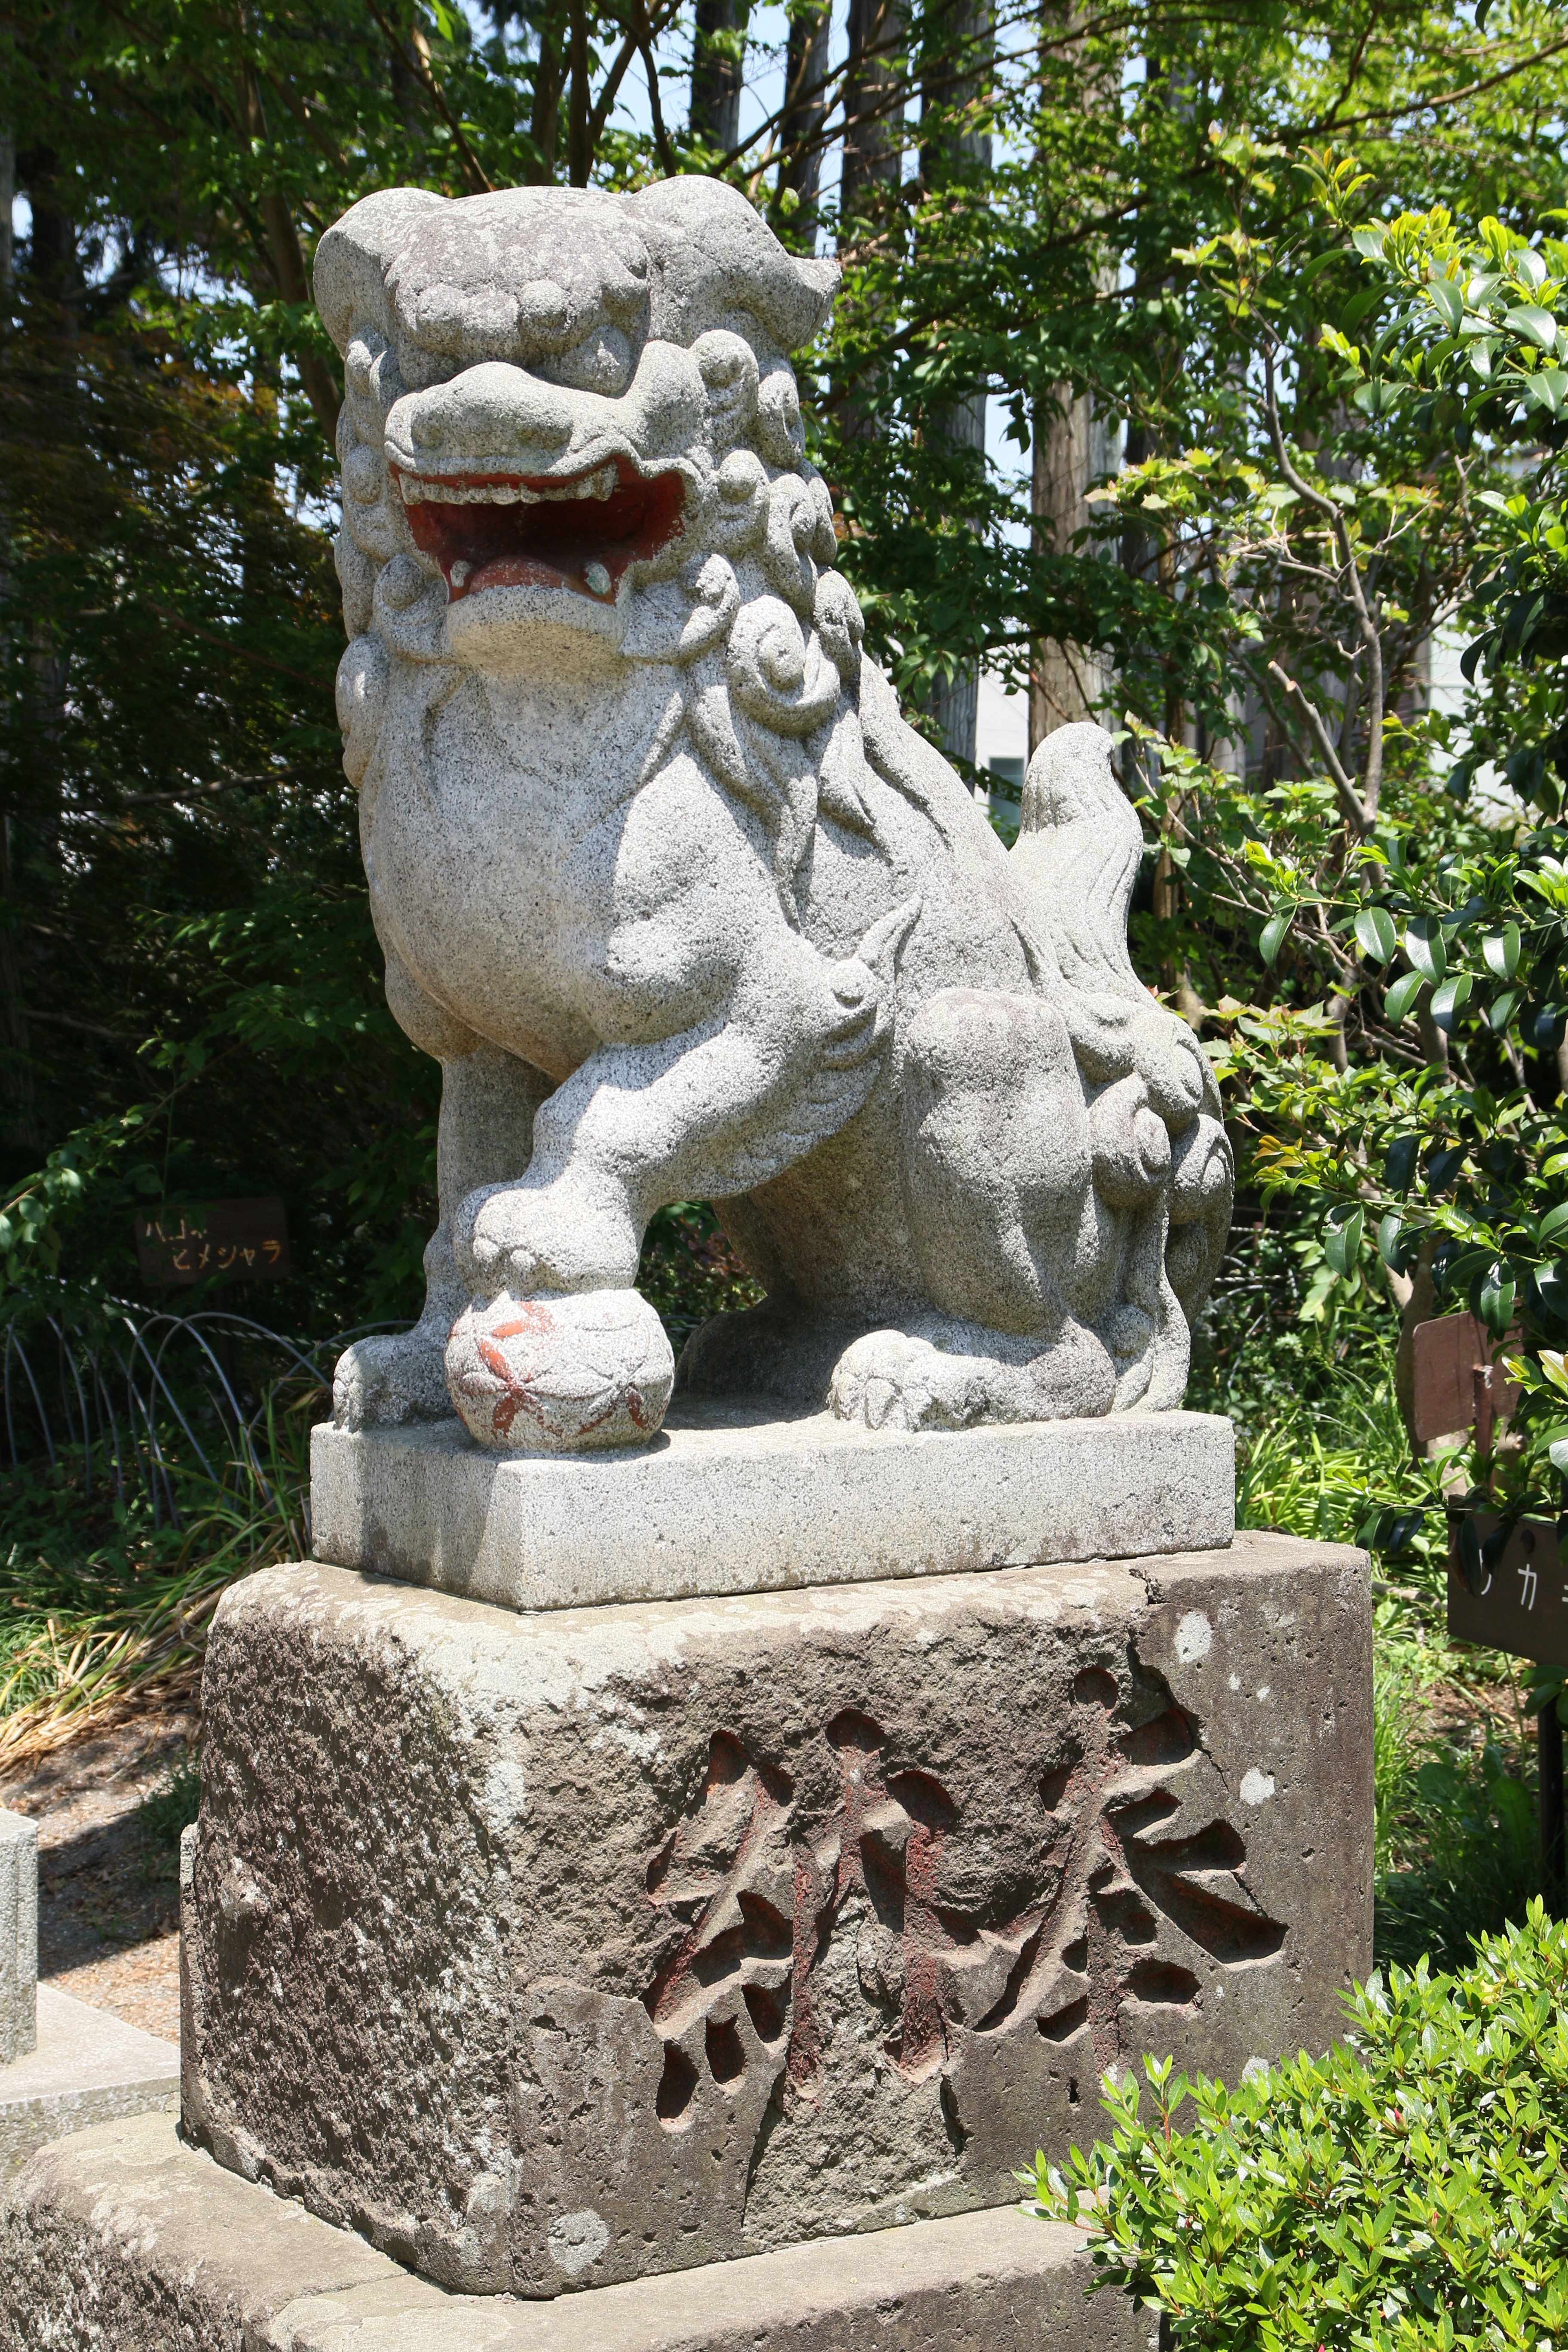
column 717, row 76
column 800, row 129
column 580, row 102
column 1073, row 445
column 286, row 262
column 873, row 110
column 956, row 73
column 544, row 123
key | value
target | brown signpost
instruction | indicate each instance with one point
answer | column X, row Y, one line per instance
column 1520, row 1603
column 234, row 1241
column 1520, row 1606
column 1459, row 1381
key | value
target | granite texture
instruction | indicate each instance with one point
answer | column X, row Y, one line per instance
column 555, row 1950
column 126, row 2241
column 725, row 1503
column 19, row 1936
column 86, row 2066
column 682, row 906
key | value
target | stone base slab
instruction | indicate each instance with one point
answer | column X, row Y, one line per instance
column 86, row 2066
column 724, row 1502
column 125, row 2240
column 556, row 1950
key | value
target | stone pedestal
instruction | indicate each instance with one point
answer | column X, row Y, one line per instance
column 553, row 1950
column 18, row 1936
column 588, row 1946
column 84, row 2067
column 62, row 2063
column 727, row 1499
column 129, row 2241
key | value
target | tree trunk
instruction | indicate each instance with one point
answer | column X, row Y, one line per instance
column 718, row 72
column 873, row 107
column 580, row 102
column 800, row 129
column 1073, row 445
column 544, row 123
column 955, row 74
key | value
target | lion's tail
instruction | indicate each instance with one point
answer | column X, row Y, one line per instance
column 1078, row 848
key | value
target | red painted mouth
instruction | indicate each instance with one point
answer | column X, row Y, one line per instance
column 532, row 531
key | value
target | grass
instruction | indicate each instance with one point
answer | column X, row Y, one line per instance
column 105, row 1597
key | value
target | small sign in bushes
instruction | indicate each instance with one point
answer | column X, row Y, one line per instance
column 1518, row 1602
column 1508, row 1588
column 234, row 1241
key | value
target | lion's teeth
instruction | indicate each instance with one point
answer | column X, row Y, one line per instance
column 422, row 490
column 429, row 489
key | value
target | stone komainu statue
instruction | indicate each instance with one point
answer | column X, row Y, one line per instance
column 683, row 907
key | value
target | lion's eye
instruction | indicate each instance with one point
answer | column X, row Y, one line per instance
column 601, row 363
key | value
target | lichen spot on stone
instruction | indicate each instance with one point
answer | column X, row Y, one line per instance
column 1195, row 1638
column 576, row 2240
column 1257, row 1787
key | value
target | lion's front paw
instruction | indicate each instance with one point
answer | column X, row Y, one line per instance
column 561, row 1372
column 399, row 1376
column 889, row 1379
column 577, row 1233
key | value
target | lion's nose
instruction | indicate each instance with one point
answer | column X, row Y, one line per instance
column 492, row 410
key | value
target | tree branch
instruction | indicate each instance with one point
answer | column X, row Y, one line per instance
column 479, row 184
column 1365, row 803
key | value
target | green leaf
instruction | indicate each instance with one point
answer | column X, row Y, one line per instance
column 1536, row 325
column 1497, row 1294
column 1273, row 936
column 1369, row 242
column 1342, row 1237
column 1552, row 1225
column 1389, row 1248
column 1423, row 945
column 1559, row 1452
column 1399, row 1166
column 1403, row 995
column 1447, row 300
column 1448, row 1000
column 1376, row 933
column 1501, row 950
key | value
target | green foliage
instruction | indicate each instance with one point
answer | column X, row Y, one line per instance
column 1381, row 942
column 190, row 998
column 1407, row 2189
column 689, row 1270
column 107, row 1583
column 1462, row 1831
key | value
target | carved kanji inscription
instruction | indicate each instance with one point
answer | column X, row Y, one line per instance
column 1136, row 1873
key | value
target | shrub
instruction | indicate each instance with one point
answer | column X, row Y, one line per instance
column 1405, row 2190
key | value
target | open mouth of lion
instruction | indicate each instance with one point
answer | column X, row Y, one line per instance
column 531, row 531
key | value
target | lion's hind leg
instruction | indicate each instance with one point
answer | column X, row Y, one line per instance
column 998, row 1191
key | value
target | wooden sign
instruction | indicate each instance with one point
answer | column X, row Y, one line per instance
column 1460, row 1382
column 1523, row 1605
column 234, row 1241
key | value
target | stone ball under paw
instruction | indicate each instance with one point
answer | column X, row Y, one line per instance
column 561, row 1371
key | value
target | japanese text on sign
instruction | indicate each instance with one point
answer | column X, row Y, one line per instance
column 237, row 1241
